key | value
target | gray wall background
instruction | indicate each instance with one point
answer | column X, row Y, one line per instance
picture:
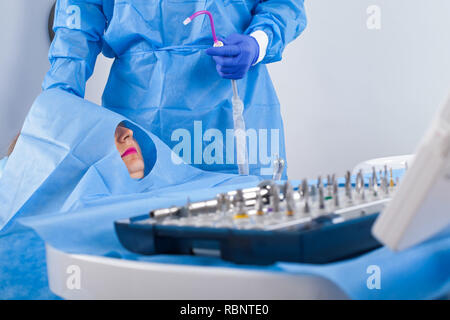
column 347, row 93
column 23, row 61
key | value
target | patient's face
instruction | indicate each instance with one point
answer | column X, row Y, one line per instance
column 129, row 151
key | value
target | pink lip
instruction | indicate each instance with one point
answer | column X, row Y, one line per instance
column 129, row 151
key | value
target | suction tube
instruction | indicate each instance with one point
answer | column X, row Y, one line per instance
column 238, row 106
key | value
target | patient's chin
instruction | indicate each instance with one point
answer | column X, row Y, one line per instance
column 137, row 175
column 136, row 168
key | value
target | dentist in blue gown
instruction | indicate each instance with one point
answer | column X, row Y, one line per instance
column 168, row 78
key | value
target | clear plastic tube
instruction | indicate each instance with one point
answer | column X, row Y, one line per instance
column 239, row 131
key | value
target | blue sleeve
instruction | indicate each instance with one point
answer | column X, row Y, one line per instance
column 282, row 21
column 79, row 26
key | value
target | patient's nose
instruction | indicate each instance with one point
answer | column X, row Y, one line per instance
column 125, row 134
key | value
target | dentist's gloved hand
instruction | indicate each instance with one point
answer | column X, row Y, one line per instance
column 237, row 55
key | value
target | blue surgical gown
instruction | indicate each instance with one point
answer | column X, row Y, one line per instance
column 162, row 79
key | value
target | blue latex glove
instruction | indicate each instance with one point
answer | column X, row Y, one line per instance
column 237, row 55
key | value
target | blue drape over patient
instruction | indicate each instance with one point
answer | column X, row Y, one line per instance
column 66, row 157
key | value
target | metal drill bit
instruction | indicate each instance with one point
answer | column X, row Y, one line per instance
column 239, row 204
column 239, row 197
column 298, row 193
column 348, row 185
column 336, row 193
column 362, row 185
column 288, row 190
column 319, row 182
column 278, row 167
column 329, row 186
column 188, row 207
column 290, row 207
column 374, row 181
column 321, row 198
column 386, row 181
column 275, row 198
column 306, row 209
column 372, row 187
column 358, row 183
column 385, row 185
column 289, row 198
column 305, row 190
column 259, row 206
column 391, row 180
column 221, row 202
column 313, row 193
column 382, row 185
